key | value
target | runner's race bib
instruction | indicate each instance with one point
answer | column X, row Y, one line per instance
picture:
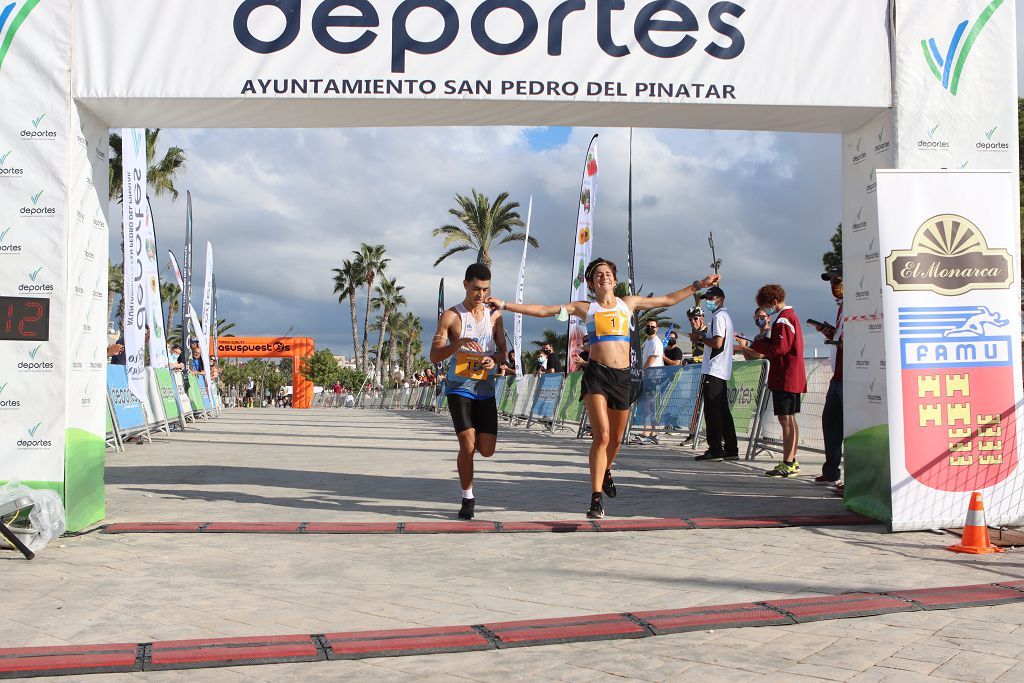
column 609, row 324
column 470, row 365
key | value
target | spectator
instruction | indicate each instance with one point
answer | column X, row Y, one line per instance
column 554, row 362
column 116, row 351
column 653, row 356
column 583, row 357
column 673, row 354
column 195, row 363
column 832, row 413
column 696, row 317
column 542, row 362
column 787, row 378
column 716, row 370
column 250, row 392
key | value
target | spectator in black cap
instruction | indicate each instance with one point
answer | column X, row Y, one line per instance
column 832, row 413
column 718, row 338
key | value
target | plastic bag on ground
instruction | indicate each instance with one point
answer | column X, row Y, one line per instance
column 46, row 518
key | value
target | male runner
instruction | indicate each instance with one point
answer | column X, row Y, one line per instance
column 473, row 336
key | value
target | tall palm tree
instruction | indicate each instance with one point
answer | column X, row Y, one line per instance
column 171, row 293
column 481, row 224
column 223, row 327
column 388, row 298
column 115, row 281
column 372, row 263
column 412, row 345
column 346, row 280
column 160, row 176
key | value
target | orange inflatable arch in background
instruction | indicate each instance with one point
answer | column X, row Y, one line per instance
column 296, row 348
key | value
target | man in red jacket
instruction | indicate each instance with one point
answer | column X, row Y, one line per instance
column 787, row 378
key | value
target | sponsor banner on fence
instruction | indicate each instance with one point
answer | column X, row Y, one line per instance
column 135, row 213
column 127, row 407
column 951, row 242
column 819, row 374
column 549, row 387
column 669, row 397
column 569, row 404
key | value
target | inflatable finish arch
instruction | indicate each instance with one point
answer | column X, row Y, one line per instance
column 296, row 348
column 911, row 84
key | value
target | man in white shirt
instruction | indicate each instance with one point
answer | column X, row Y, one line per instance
column 653, row 355
column 716, row 370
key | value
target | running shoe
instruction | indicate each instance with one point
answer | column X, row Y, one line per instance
column 653, row 440
column 609, row 486
column 822, row 479
column 596, row 510
column 710, row 457
column 636, row 440
column 732, row 456
column 468, row 508
column 784, row 469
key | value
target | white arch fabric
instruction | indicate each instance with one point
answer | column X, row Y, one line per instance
column 71, row 69
column 195, row 63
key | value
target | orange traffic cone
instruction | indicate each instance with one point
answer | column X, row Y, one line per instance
column 975, row 539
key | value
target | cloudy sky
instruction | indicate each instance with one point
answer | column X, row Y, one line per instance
column 284, row 207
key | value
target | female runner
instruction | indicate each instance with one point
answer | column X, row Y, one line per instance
column 606, row 379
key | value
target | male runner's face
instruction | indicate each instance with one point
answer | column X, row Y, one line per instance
column 477, row 290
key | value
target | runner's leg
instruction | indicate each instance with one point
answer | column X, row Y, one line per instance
column 597, row 413
column 467, row 446
column 617, row 420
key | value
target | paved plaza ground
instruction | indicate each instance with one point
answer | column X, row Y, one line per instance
column 272, row 465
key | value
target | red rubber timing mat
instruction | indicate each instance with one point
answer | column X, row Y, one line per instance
column 74, row 660
column 481, row 527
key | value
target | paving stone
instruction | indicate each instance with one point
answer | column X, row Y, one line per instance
column 974, row 666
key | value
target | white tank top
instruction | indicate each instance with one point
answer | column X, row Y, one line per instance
column 608, row 324
column 466, row 376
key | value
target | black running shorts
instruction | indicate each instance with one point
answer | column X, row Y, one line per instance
column 785, row 402
column 612, row 383
column 480, row 414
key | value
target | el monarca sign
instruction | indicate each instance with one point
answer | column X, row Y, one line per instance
column 949, row 256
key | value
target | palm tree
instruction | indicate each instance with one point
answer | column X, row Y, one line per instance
column 388, row 299
column 482, row 224
column 171, row 293
column 115, row 281
column 223, row 326
column 346, row 280
column 371, row 263
column 412, row 345
column 160, row 176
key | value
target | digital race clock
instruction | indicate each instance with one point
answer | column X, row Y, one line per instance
column 24, row 319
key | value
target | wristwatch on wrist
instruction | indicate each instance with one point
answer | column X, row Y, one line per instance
column 504, row 305
column 696, row 285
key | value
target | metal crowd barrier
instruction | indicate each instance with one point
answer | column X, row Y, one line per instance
column 669, row 403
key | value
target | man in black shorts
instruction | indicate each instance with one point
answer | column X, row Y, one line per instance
column 472, row 336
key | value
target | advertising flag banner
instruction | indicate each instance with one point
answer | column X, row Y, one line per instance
column 177, row 277
column 204, row 345
column 208, row 290
column 185, row 280
column 135, row 214
column 517, row 318
column 950, row 252
column 213, row 314
column 157, row 341
column 583, row 248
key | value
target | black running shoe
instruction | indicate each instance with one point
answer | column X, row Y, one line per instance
column 596, row 510
column 709, row 457
column 609, row 486
column 731, row 456
column 468, row 506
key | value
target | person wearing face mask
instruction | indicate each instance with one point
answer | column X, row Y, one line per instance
column 832, row 413
column 673, row 354
column 716, row 368
column 653, row 356
column 696, row 317
column 787, row 376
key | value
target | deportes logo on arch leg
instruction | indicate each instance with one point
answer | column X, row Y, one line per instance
column 12, row 16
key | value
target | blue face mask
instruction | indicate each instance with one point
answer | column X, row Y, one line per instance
column 711, row 306
column 770, row 310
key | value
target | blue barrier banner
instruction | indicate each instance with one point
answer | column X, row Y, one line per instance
column 499, row 388
column 127, row 408
column 547, row 396
column 669, row 397
column 204, row 393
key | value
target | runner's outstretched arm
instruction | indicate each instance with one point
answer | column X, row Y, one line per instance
column 643, row 303
column 577, row 308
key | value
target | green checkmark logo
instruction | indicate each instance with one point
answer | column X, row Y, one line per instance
column 32, row 430
column 3, row 386
column 3, row 159
column 34, row 274
column 33, row 352
column 990, row 133
column 37, row 120
column 36, row 196
column 4, row 234
column 931, row 132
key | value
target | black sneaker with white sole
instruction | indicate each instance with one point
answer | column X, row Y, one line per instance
column 596, row 510
column 609, row 486
column 468, row 508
